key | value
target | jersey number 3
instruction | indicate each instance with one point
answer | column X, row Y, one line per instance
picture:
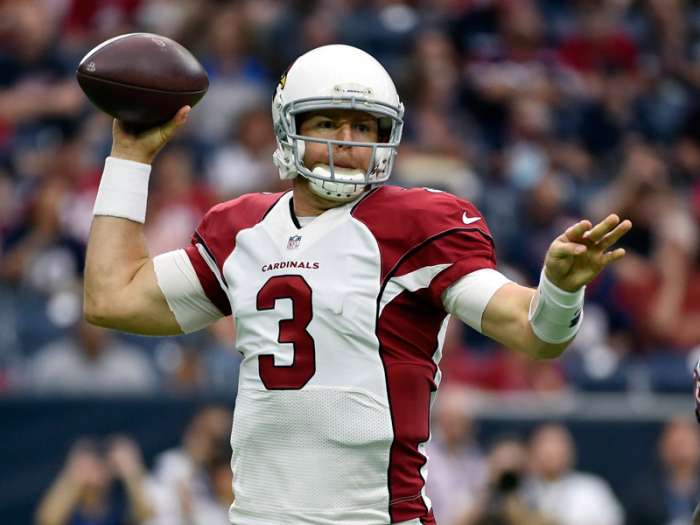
column 303, row 367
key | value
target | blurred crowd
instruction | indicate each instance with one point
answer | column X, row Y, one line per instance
column 539, row 111
column 527, row 478
column 533, row 480
column 106, row 482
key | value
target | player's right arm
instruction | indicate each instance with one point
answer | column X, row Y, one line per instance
column 120, row 285
column 121, row 289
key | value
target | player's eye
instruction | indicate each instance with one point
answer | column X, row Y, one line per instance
column 325, row 124
column 365, row 128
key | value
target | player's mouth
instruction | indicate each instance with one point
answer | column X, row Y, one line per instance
column 344, row 164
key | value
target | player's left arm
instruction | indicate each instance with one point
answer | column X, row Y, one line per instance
column 544, row 321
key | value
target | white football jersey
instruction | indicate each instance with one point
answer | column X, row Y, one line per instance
column 341, row 325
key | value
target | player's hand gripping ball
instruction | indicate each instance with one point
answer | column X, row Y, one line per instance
column 141, row 79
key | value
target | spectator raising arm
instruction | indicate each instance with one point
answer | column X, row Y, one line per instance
column 124, row 459
column 83, row 492
column 63, row 496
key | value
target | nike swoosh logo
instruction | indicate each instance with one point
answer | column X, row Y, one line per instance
column 469, row 220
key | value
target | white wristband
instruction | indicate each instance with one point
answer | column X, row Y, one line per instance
column 123, row 190
column 555, row 314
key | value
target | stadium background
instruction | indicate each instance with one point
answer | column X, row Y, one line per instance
column 539, row 111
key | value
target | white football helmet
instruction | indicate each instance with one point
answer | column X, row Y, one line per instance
column 336, row 77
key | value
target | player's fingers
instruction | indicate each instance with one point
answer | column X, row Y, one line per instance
column 181, row 115
column 121, row 134
column 576, row 231
column 179, row 119
column 168, row 130
column 562, row 250
column 118, row 129
column 615, row 235
column 603, row 227
column 613, row 256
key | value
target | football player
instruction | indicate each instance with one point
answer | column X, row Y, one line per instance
column 340, row 291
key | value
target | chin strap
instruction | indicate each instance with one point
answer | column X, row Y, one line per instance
column 349, row 183
column 284, row 164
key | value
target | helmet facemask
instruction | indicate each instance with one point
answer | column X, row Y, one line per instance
column 332, row 182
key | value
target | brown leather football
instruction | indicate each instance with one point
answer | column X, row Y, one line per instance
column 141, row 79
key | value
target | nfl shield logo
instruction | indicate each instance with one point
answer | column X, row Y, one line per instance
column 294, row 241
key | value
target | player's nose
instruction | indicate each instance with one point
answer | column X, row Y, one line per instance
column 344, row 131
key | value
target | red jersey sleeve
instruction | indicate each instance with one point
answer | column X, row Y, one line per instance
column 419, row 228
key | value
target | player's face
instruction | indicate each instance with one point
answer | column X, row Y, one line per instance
column 339, row 124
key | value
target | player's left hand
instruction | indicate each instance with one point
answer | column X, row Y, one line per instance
column 580, row 253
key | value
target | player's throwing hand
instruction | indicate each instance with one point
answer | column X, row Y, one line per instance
column 145, row 146
column 581, row 252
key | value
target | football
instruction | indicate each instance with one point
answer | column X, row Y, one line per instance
column 141, row 79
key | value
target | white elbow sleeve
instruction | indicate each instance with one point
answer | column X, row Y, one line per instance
column 469, row 296
column 555, row 314
column 123, row 190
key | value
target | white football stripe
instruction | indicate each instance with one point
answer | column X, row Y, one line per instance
column 105, row 43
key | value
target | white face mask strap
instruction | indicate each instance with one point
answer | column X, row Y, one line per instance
column 555, row 314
